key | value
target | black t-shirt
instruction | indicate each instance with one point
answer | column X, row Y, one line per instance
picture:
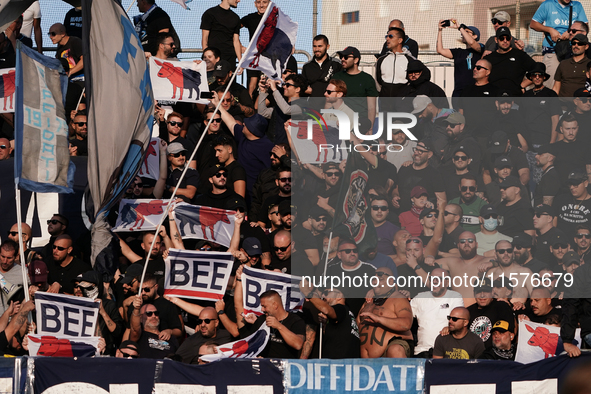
column 189, row 349
column 408, row 177
column 353, row 293
column 149, row 346
column 191, row 178
column 464, row 62
column 379, row 176
column 482, row 320
column 65, row 275
column 508, row 70
column 478, row 103
column 341, row 338
column 222, row 25
column 82, row 146
column 73, row 22
column 549, row 185
column 517, row 217
column 544, row 243
column 169, row 314
column 235, row 173
column 276, row 347
column 155, row 266
column 149, row 28
column 225, row 200
column 570, row 156
column 318, row 76
column 251, row 22
column 571, row 213
column 537, row 109
column 72, row 51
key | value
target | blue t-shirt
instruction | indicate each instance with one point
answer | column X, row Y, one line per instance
column 553, row 14
column 253, row 155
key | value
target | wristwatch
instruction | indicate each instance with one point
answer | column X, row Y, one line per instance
column 221, row 313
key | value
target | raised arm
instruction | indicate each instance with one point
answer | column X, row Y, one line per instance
column 175, row 236
column 228, row 119
column 127, row 252
column 161, row 182
column 440, row 49
column 135, row 321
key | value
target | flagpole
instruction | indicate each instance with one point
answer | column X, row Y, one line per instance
column 129, row 8
column 324, row 276
column 21, row 248
column 79, row 100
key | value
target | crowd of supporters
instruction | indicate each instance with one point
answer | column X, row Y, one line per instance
column 491, row 183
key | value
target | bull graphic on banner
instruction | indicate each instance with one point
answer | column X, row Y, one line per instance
column 50, row 346
column 170, row 80
column 7, row 88
column 272, row 43
column 197, row 222
column 151, row 165
column 139, row 215
column 248, row 347
column 540, row 341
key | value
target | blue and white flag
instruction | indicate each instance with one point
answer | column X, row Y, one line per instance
column 256, row 281
column 63, row 315
column 42, row 156
column 120, row 107
column 272, row 43
column 249, row 347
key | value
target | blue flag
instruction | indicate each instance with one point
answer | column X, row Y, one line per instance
column 40, row 129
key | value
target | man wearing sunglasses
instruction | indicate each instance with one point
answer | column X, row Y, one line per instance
column 545, row 231
column 207, row 330
column 63, row 267
column 507, row 267
column 461, row 343
column 225, row 149
column 574, row 208
column 583, row 242
column 458, row 136
column 384, row 228
column 173, row 127
column 570, row 74
column 508, row 65
column 56, row 226
column 222, row 72
column 127, row 349
column 283, row 247
column 391, row 67
column 5, row 149
column 309, row 236
column 27, row 234
column 501, row 19
column 552, row 18
column 515, row 209
column 79, row 145
column 145, row 331
column 549, row 185
column 522, row 250
column 70, row 48
column 187, row 189
column 470, row 203
column 283, row 181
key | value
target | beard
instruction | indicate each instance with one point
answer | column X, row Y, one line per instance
column 469, row 255
column 523, row 257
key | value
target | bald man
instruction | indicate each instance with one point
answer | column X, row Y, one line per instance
column 207, row 330
column 282, row 248
column 27, row 234
column 5, row 149
column 541, row 307
column 385, row 320
column 461, row 343
column 464, row 267
column 63, row 267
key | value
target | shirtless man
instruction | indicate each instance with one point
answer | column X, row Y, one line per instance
column 519, row 277
column 384, row 322
column 465, row 266
column 399, row 243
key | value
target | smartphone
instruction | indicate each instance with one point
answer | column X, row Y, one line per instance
column 206, row 95
column 446, row 23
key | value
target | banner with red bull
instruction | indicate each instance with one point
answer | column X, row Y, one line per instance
column 63, row 316
column 151, row 164
column 178, row 81
column 197, row 274
column 51, row 346
column 540, row 341
column 7, row 88
column 139, row 215
column 210, row 224
column 272, row 43
column 249, row 347
column 256, row 281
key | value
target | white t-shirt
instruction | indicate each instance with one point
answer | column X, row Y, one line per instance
column 33, row 12
column 431, row 313
column 487, row 242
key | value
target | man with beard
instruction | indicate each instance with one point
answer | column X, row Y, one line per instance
column 155, row 262
column 465, row 265
column 220, row 27
column 283, row 248
column 458, row 342
column 488, row 236
column 27, row 234
column 549, row 184
column 414, row 273
column 327, row 192
column 174, row 125
column 321, row 69
column 452, row 174
column 239, row 96
column 79, row 145
column 500, row 145
column 266, row 183
column 285, row 193
column 540, row 308
column 219, row 196
column 522, row 246
column 56, row 226
column 433, row 225
column 457, row 136
column 63, row 267
column 571, row 154
column 225, row 148
column 419, row 83
column 145, row 323
column 187, row 187
column 570, row 74
column 166, row 46
column 385, row 229
column 545, row 232
column 361, row 87
column 574, row 208
column 388, row 315
column 431, row 309
column 583, row 243
column 309, row 238
column 127, row 286
column 507, row 266
column 486, row 311
column 428, row 127
column 503, row 348
column 470, row 203
column 515, row 210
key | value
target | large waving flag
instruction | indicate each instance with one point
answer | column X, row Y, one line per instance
column 197, row 222
column 120, row 107
column 248, row 347
column 41, row 132
column 140, row 215
column 272, row 43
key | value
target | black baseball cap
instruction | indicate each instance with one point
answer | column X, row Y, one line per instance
column 510, row 181
column 503, row 31
column 544, row 209
column 488, row 209
column 524, row 240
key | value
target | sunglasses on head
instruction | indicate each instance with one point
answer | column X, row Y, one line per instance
column 179, row 154
column 420, row 151
column 578, row 43
column 479, row 67
column 468, row 240
column 53, row 221
column 348, row 251
column 206, row 321
column 175, row 123
column 150, row 313
column 332, row 173
column 466, row 188
column 492, row 215
column 503, row 251
column 280, row 248
column 578, row 236
column 60, row 248
column 285, row 180
column 560, row 246
column 382, row 208
column 504, row 38
column 221, row 174
column 454, row 318
column 460, row 158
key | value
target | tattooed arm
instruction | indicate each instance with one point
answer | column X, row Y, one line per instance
column 175, row 236
column 18, row 320
column 309, row 342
